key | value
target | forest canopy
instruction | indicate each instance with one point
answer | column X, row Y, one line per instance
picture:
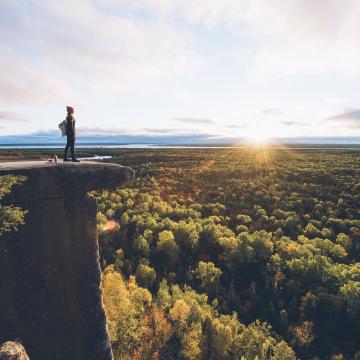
column 11, row 217
column 233, row 254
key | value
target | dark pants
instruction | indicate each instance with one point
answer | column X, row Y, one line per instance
column 70, row 143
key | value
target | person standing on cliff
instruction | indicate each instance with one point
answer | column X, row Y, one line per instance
column 70, row 134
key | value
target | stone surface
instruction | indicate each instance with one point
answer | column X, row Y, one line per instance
column 50, row 296
column 49, row 180
column 12, row 351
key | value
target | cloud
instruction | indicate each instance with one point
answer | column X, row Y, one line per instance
column 114, row 136
column 192, row 120
column 289, row 37
column 274, row 111
column 52, row 137
column 349, row 118
column 149, row 59
column 11, row 116
column 57, row 49
column 348, row 115
column 282, row 116
column 292, row 123
column 235, row 126
column 210, row 122
column 100, row 131
column 161, row 131
column 20, row 83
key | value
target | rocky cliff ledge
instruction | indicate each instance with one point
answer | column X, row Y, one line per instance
column 50, row 297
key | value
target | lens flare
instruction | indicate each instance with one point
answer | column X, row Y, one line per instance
column 110, row 225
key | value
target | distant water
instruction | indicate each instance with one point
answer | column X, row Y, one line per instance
column 96, row 157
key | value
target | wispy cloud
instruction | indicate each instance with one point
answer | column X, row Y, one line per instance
column 326, row 33
column 125, row 53
column 122, row 136
column 101, row 131
column 210, row 122
column 282, row 116
column 220, row 62
column 350, row 118
column 292, row 123
column 11, row 116
column 236, row 126
column 274, row 112
column 194, row 120
column 172, row 131
column 347, row 115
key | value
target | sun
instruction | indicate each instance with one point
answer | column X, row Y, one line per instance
column 263, row 133
column 258, row 138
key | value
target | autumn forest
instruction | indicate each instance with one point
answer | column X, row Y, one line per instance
column 233, row 254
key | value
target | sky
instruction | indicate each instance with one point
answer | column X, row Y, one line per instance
column 213, row 68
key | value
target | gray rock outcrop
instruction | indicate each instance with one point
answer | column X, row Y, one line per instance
column 50, row 296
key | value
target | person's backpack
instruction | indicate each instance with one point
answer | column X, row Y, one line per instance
column 62, row 127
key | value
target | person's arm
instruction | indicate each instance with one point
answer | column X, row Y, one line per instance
column 70, row 125
column 73, row 125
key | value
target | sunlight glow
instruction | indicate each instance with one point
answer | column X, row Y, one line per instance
column 258, row 139
column 259, row 134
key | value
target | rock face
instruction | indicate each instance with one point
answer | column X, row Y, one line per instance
column 12, row 351
column 50, row 296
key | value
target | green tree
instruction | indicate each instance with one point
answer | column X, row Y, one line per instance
column 209, row 276
column 141, row 247
column 187, row 235
column 11, row 217
column 351, row 293
column 145, row 275
column 119, row 259
column 167, row 248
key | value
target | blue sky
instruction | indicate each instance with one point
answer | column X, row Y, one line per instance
column 230, row 68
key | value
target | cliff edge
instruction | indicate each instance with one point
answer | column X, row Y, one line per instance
column 50, row 296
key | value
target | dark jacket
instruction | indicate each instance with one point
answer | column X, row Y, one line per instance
column 70, row 125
